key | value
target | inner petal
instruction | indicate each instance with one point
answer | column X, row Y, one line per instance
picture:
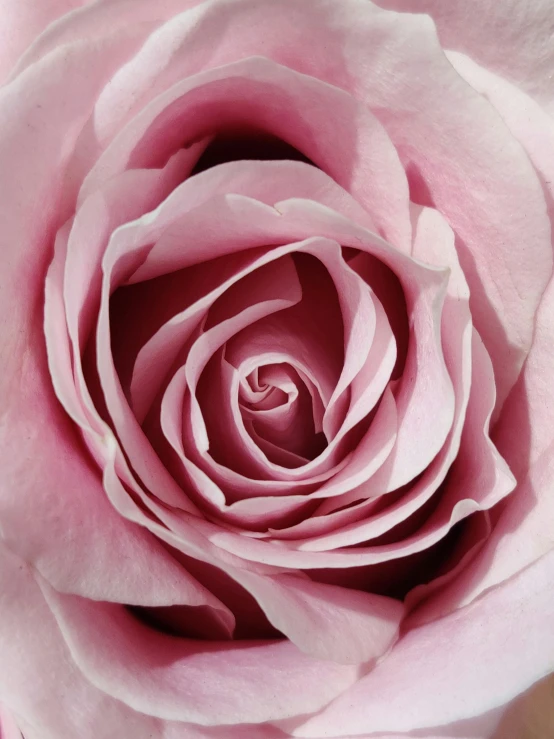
column 310, row 333
column 285, row 417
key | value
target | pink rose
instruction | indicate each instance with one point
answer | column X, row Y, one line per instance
column 277, row 390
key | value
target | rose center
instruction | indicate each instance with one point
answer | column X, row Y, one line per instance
column 282, row 411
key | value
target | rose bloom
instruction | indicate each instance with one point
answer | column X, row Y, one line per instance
column 277, row 390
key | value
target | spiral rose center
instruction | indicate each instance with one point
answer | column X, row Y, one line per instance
column 282, row 410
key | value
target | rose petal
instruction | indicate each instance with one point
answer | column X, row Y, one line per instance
column 369, row 455
column 187, row 112
column 306, row 218
column 8, row 726
column 422, row 684
column 208, row 683
column 328, row 622
column 531, row 58
column 434, row 242
column 22, row 22
column 478, row 479
column 45, row 689
column 39, row 448
column 54, row 113
column 527, row 121
column 523, row 532
column 73, row 281
column 265, row 180
column 425, row 304
column 257, row 301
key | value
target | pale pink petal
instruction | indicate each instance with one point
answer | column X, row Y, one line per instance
column 328, row 622
column 523, row 435
column 22, row 22
column 41, row 115
column 145, row 462
column 425, row 384
column 111, row 558
column 256, row 296
column 40, row 450
column 44, row 688
column 432, row 676
column 54, row 107
column 97, row 20
column 368, row 384
column 531, row 56
column 211, row 490
column 301, row 217
column 284, row 418
column 369, row 455
column 299, row 347
column 176, row 679
column 435, row 244
column 187, row 534
column 74, row 278
column 159, row 352
column 125, row 198
column 372, row 450
column 529, row 123
column 202, row 104
column 413, row 106
column 389, row 93
column 232, row 442
column 9, row 728
column 479, row 478
column 478, row 142
column 264, row 180
column 312, row 335
column 210, row 486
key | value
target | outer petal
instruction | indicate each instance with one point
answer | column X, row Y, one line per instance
column 41, row 114
column 209, row 683
column 413, row 106
column 39, row 681
column 485, row 30
column 48, row 510
column 524, row 436
column 457, row 667
column 22, row 22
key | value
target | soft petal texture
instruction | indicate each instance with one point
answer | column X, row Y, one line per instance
column 328, row 622
column 99, row 539
column 524, row 530
column 188, row 487
column 265, row 89
column 208, row 683
column 45, row 686
column 508, row 26
column 528, row 122
column 8, row 725
column 422, row 683
column 31, row 407
column 295, row 219
column 22, row 22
